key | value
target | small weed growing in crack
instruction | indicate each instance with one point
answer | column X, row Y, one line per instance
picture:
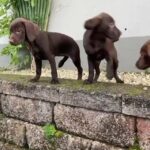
column 52, row 134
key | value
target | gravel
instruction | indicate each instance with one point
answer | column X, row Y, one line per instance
column 140, row 78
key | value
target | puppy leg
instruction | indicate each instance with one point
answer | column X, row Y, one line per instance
column 115, row 66
column 38, row 65
column 91, row 71
column 112, row 65
column 96, row 65
column 52, row 62
column 77, row 62
column 109, row 69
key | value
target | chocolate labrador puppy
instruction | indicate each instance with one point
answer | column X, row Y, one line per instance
column 98, row 41
column 45, row 46
column 144, row 60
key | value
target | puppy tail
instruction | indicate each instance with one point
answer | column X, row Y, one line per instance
column 61, row 63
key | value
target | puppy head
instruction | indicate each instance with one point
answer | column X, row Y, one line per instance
column 144, row 59
column 22, row 29
column 104, row 24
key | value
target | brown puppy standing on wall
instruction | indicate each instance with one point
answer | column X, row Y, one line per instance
column 98, row 41
column 45, row 46
column 144, row 60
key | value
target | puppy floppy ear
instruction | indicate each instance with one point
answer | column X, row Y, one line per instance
column 114, row 32
column 32, row 30
column 92, row 23
column 148, row 49
column 148, row 53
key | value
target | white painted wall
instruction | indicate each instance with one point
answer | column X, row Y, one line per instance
column 68, row 16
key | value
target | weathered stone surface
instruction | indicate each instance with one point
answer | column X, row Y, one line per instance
column 1, row 145
column 0, row 104
column 33, row 91
column 143, row 129
column 111, row 128
column 94, row 101
column 69, row 142
column 15, row 132
column 3, row 127
column 102, row 146
column 1, row 88
column 34, row 111
column 11, row 88
column 35, row 138
column 34, row 103
column 12, row 131
column 136, row 106
column 6, row 146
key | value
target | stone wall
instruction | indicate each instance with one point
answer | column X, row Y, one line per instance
column 88, row 120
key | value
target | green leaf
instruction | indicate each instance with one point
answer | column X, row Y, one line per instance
column 16, row 59
column 49, row 131
column 32, row 3
column 59, row 134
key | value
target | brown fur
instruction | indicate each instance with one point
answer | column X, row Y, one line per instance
column 45, row 46
column 144, row 60
column 100, row 35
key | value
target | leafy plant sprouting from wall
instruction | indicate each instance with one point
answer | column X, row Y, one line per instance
column 35, row 10
column 51, row 134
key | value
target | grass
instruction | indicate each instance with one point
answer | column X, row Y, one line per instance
column 103, row 87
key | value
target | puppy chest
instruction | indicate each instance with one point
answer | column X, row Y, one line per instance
column 100, row 54
column 37, row 53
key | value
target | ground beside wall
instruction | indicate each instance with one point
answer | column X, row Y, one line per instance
column 101, row 116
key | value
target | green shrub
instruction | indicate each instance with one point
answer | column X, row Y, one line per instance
column 20, row 57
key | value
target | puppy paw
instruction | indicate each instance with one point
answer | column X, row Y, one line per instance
column 88, row 81
column 79, row 77
column 94, row 81
column 55, row 81
column 109, row 76
column 119, row 81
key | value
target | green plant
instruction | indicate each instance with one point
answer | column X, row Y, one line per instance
column 35, row 10
column 51, row 134
column 136, row 145
column 6, row 16
column 17, row 59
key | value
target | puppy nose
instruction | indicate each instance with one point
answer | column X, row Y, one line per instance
column 137, row 64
